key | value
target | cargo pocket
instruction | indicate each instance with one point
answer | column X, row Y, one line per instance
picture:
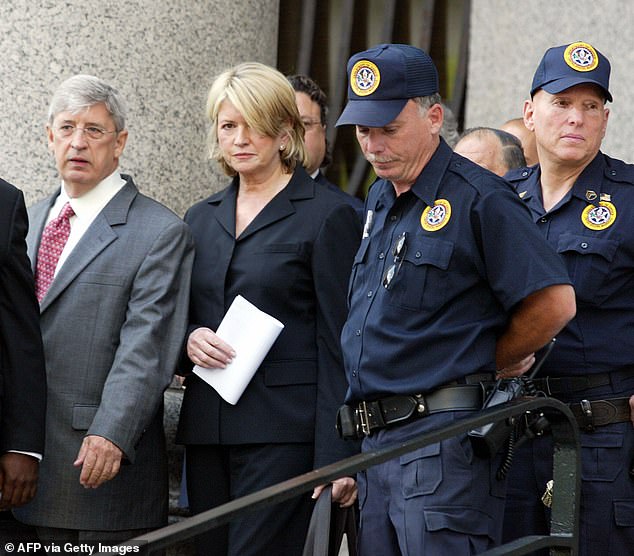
column 601, row 461
column 468, row 521
column 421, row 471
column 624, row 513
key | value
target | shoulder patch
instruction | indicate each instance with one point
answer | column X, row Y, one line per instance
column 599, row 217
column 436, row 217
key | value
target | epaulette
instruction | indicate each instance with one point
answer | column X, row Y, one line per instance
column 618, row 171
column 474, row 174
column 520, row 174
column 465, row 168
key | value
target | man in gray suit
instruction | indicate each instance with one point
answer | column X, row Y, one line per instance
column 112, row 271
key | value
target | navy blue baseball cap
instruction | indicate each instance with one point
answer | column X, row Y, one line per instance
column 382, row 79
column 565, row 66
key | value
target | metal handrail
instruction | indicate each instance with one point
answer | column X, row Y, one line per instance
column 563, row 538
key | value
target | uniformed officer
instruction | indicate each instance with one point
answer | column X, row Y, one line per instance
column 582, row 202
column 451, row 282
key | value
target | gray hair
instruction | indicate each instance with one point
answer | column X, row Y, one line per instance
column 425, row 103
column 449, row 129
column 80, row 92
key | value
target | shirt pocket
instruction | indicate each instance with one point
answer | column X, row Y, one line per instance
column 421, row 282
column 589, row 260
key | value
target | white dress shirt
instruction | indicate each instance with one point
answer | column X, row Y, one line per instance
column 86, row 209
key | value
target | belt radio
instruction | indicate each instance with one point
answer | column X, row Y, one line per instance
column 489, row 439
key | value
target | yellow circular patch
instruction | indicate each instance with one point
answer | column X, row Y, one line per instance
column 581, row 56
column 364, row 78
column 436, row 217
column 599, row 217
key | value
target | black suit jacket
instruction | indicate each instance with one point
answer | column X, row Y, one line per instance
column 293, row 261
column 356, row 203
column 22, row 371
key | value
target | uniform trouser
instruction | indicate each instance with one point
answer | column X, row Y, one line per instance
column 440, row 499
column 606, row 525
column 218, row 474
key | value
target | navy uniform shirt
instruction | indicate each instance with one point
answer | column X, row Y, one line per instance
column 471, row 254
column 592, row 228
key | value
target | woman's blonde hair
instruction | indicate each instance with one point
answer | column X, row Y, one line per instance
column 266, row 101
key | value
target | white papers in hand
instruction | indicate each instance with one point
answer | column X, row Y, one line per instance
column 251, row 333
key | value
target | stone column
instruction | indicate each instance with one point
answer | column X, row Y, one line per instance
column 161, row 54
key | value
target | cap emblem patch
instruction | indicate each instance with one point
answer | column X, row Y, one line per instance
column 599, row 217
column 364, row 78
column 581, row 56
column 436, row 217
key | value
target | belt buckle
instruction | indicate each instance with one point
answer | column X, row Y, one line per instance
column 362, row 412
column 588, row 417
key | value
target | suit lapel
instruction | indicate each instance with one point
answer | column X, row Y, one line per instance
column 37, row 220
column 226, row 212
column 301, row 186
column 98, row 236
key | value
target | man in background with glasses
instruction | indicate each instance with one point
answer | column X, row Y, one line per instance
column 112, row 270
column 313, row 109
column 451, row 285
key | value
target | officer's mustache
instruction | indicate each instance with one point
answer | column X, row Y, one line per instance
column 372, row 158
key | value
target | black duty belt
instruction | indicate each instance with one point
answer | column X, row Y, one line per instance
column 560, row 385
column 597, row 413
column 369, row 416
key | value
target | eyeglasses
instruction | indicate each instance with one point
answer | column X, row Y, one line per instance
column 91, row 132
column 309, row 124
column 399, row 250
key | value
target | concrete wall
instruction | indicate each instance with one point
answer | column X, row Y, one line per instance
column 161, row 54
column 508, row 39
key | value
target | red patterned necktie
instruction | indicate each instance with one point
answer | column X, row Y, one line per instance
column 54, row 237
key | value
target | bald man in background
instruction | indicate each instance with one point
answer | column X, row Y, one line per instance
column 526, row 136
column 493, row 149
